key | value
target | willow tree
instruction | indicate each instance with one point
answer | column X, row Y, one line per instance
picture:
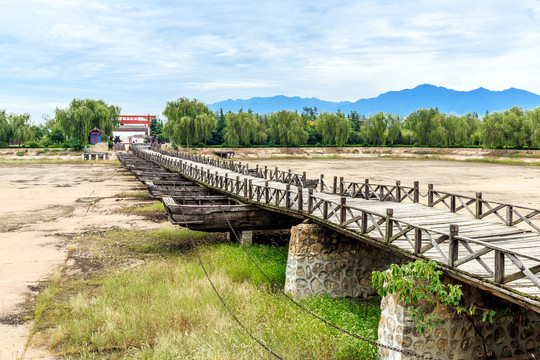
column 422, row 123
column 3, row 126
column 333, row 128
column 243, row 129
column 189, row 122
column 287, row 128
column 374, row 129
column 531, row 128
column 83, row 115
column 20, row 128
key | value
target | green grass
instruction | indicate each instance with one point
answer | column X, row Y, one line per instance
column 165, row 308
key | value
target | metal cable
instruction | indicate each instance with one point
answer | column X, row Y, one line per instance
column 328, row 323
column 263, row 345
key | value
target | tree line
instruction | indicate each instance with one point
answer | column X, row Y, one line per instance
column 192, row 123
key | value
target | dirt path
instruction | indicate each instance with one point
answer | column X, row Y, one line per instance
column 43, row 206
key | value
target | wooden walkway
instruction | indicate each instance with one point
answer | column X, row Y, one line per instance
column 503, row 259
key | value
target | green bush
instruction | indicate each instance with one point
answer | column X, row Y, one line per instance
column 21, row 153
column 201, row 145
column 416, row 144
column 3, row 145
column 111, row 145
column 65, row 145
column 34, row 145
column 76, row 145
column 499, row 147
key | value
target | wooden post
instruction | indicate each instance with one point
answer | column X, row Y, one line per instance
column 321, row 183
column 453, row 251
column 289, row 180
column 416, row 192
column 417, row 241
column 245, row 188
column 334, row 186
column 366, row 189
column 226, row 181
column 266, row 172
column 343, row 210
column 381, row 193
column 325, row 209
column 304, row 178
column 478, row 205
column 288, row 196
column 300, row 198
column 237, row 184
column 498, row 275
column 266, row 192
column 276, row 174
column 452, row 203
column 250, row 188
column 389, row 225
column 398, row 191
column 310, row 201
column 364, row 222
column 509, row 215
column 430, row 195
column 341, row 187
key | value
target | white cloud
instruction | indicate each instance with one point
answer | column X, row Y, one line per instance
column 134, row 53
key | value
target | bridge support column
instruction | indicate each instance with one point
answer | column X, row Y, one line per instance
column 323, row 262
column 511, row 334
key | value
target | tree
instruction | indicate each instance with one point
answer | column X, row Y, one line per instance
column 531, row 128
column 394, row 128
column 421, row 122
column 218, row 131
column 333, row 128
column 3, row 126
column 242, row 129
column 81, row 116
column 468, row 124
column 21, row 129
column 287, row 128
column 374, row 129
column 188, row 121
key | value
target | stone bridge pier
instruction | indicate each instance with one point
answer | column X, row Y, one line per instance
column 323, row 262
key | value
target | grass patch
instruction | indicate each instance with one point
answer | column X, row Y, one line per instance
column 43, row 151
column 154, row 207
column 504, row 162
column 21, row 153
column 166, row 309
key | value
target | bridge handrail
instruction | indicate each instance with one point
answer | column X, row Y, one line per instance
column 382, row 225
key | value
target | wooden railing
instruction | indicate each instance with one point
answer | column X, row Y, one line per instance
column 483, row 260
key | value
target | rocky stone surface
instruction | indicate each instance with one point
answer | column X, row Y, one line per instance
column 323, row 262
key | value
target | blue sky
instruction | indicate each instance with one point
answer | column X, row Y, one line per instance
column 141, row 54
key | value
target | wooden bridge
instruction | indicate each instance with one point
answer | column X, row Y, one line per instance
column 486, row 244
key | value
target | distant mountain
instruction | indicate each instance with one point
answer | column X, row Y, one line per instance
column 396, row 102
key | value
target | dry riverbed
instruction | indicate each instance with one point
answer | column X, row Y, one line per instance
column 43, row 206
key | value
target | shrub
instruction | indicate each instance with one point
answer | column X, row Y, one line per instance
column 318, row 144
column 34, row 145
column 175, row 147
column 65, row 145
column 3, row 145
column 201, row 145
column 21, row 153
column 111, row 145
column 76, row 145
column 416, row 144
column 518, row 147
column 499, row 147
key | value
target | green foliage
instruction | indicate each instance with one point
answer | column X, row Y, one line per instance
column 34, row 145
column 243, row 129
column 333, row 128
column 419, row 286
column 287, row 128
column 81, row 116
column 76, row 145
column 188, row 121
column 4, row 145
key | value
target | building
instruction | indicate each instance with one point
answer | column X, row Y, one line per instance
column 95, row 136
column 133, row 128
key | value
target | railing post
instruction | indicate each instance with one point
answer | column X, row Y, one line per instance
column 250, row 189
column 247, row 169
column 364, row 222
column 245, row 187
column 509, row 215
column 341, row 187
column 321, row 183
column 325, row 209
column 304, row 178
column 266, row 192
column 417, row 240
column 398, row 191
column 453, row 250
column 343, row 210
column 366, row 189
column 478, row 205
column 289, row 180
column 288, row 196
column 266, row 172
column 227, row 181
column 334, row 186
column 310, row 201
column 276, row 174
column 389, row 225
column 237, row 185
column 498, row 275
column 452, row 203
column 300, row 198
column 416, row 192
column 430, row 195
column 381, row 193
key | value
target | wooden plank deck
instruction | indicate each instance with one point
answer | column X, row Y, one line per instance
column 483, row 238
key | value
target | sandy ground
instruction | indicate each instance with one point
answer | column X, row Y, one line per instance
column 513, row 184
column 40, row 210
